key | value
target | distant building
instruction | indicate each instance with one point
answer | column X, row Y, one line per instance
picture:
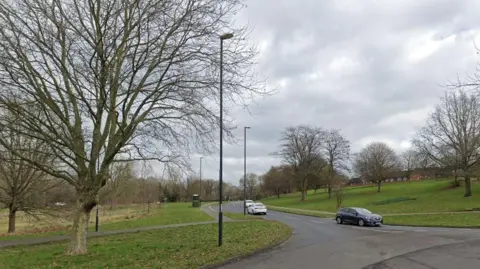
column 396, row 176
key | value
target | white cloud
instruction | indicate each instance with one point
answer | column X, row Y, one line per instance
column 423, row 45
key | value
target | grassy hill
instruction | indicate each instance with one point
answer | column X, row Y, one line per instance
column 415, row 197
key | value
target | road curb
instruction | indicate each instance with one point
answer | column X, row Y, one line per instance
column 254, row 253
column 435, row 226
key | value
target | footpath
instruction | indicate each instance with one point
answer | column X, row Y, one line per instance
column 59, row 238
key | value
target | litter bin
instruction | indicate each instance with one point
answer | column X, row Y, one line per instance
column 196, row 200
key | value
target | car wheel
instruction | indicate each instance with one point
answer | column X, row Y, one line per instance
column 361, row 222
column 339, row 220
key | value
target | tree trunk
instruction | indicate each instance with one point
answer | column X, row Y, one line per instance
column 78, row 243
column 329, row 191
column 11, row 220
column 304, row 189
column 315, row 190
column 379, row 184
column 278, row 192
column 468, row 187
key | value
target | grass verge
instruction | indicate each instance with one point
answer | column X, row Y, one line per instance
column 240, row 216
column 183, row 247
column 172, row 213
column 302, row 212
column 465, row 220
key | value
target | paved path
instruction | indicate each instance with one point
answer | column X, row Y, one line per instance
column 321, row 243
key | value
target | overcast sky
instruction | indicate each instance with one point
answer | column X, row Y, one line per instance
column 370, row 68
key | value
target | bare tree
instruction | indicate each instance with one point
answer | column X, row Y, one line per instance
column 375, row 161
column 410, row 159
column 117, row 183
column 451, row 135
column 131, row 80
column 21, row 183
column 301, row 147
column 337, row 154
column 251, row 184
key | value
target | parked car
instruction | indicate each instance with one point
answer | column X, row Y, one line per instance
column 257, row 208
column 359, row 216
column 248, row 203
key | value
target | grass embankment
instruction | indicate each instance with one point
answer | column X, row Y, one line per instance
column 117, row 219
column 417, row 197
column 460, row 220
column 183, row 247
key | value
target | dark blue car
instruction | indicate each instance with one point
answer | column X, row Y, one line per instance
column 358, row 216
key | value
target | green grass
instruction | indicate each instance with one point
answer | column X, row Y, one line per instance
column 302, row 212
column 240, row 216
column 471, row 220
column 421, row 196
column 172, row 213
column 183, row 247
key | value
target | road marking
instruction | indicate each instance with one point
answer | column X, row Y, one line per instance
column 420, row 231
column 292, row 217
column 314, row 221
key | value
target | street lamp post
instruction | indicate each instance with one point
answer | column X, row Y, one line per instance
column 245, row 169
column 220, row 172
column 97, row 220
column 200, row 193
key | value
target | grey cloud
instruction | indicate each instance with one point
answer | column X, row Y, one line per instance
column 383, row 95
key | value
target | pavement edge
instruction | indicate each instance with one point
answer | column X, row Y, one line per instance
column 254, row 253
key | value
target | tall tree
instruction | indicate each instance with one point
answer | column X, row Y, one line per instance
column 375, row 161
column 337, row 154
column 451, row 135
column 119, row 80
column 301, row 148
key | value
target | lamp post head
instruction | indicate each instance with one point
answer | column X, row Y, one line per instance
column 226, row 36
column 247, row 127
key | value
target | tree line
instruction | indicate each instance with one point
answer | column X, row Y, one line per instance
column 448, row 144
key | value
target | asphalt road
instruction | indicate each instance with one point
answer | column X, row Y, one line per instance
column 321, row 243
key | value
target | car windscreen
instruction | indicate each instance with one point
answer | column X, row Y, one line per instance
column 249, row 201
column 363, row 211
column 259, row 205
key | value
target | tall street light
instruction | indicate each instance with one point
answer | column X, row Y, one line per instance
column 200, row 193
column 220, row 172
column 245, row 169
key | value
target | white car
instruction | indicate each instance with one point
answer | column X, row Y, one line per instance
column 248, row 203
column 257, row 208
